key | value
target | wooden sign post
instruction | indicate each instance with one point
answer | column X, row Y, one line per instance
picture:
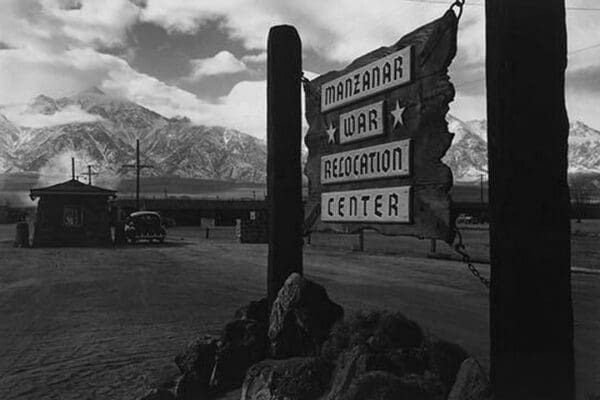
column 377, row 134
column 284, row 136
column 531, row 317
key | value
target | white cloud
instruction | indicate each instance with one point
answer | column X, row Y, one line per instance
column 221, row 63
column 54, row 49
column 20, row 116
column 57, row 25
column 255, row 58
column 95, row 21
column 339, row 30
column 28, row 72
column 244, row 108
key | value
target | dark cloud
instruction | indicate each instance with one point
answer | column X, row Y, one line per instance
column 72, row 5
column 4, row 46
column 168, row 55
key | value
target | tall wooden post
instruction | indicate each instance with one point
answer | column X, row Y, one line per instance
column 531, row 318
column 284, row 69
column 73, row 168
column 481, row 198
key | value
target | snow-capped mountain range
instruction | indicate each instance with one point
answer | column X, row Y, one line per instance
column 467, row 157
column 104, row 136
column 100, row 129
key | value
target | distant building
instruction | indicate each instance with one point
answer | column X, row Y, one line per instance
column 72, row 214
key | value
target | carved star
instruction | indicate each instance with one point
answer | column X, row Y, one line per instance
column 397, row 114
column 331, row 133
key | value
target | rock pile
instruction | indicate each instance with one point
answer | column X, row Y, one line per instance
column 303, row 349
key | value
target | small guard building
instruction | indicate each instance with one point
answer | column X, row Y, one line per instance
column 72, row 213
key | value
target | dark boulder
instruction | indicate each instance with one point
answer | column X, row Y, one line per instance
column 301, row 318
column 413, row 360
column 426, row 386
column 257, row 310
column 243, row 343
column 159, row 394
column 196, row 364
column 191, row 387
column 380, row 385
column 353, row 364
column 471, row 382
column 446, row 358
column 378, row 331
column 300, row 378
column 349, row 366
column 198, row 357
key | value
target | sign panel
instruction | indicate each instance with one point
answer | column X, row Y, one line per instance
column 377, row 137
column 382, row 74
column 382, row 205
column 361, row 123
column 382, row 161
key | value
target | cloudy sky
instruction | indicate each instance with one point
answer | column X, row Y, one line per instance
column 205, row 59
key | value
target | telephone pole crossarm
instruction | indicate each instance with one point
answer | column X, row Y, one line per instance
column 138, row 167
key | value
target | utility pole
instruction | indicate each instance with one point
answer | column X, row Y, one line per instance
column 531, row 314
column 284, row 136
column 138, row 167
column 481, row 188
column 73, row 168
column 89, row 173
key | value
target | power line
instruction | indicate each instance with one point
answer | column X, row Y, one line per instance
column 483, row 4
column 584, row 49
column 583, row 9
column 469, row 82
column 458, row 85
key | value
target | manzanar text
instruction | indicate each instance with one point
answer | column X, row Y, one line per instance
column 380, row 75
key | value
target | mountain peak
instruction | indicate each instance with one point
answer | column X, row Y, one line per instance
column 42, row 97
column 43, row 104
column 92, row 90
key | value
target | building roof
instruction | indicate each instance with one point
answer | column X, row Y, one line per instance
column 71, row 188
column 140, row 213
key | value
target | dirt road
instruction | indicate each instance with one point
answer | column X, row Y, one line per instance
column 106, row 323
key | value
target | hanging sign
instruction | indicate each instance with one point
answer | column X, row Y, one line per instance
column 377, row 134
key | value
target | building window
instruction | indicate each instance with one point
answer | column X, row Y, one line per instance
column 72, row 216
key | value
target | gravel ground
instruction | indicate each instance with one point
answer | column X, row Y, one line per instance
column 104, row 323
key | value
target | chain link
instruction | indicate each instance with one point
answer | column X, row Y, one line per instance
column 308, row 89
column 460, row 4
column 460, row 248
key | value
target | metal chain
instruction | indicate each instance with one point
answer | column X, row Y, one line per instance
column 307, row 89
column 460, row 4
column 460, row 248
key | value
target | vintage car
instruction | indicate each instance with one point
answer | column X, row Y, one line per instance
column 144, row 225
